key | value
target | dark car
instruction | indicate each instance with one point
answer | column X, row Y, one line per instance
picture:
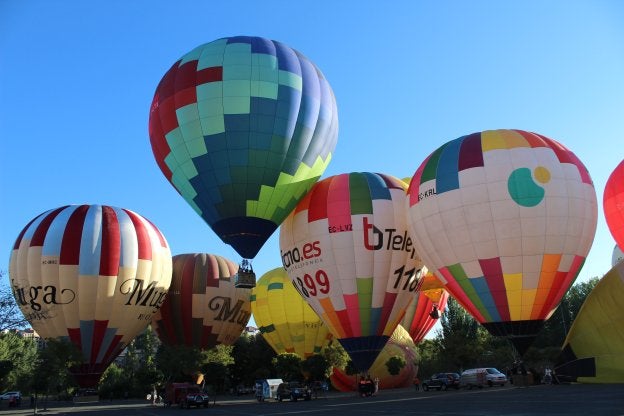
column 293, row 390
column 441, row 381
column 196, row 399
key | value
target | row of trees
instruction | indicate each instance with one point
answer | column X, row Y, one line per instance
column 460, row 343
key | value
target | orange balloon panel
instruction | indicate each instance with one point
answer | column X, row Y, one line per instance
column 284, row 319
column 203, row 308
column 92, row 274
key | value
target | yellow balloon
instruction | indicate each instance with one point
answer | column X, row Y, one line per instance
column 285, row 320
column 593, row 351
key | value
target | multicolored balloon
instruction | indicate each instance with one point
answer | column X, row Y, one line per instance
column 346, row 249
column 401, row 345
column 423, row 313
column 613, row 204
column 593, row 351
column 505, row 218
column 284, row 319
column 243, row 127
column 92, row 274
column 203, row 308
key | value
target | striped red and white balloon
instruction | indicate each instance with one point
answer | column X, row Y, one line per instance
column 92, row 274
column 203, row 307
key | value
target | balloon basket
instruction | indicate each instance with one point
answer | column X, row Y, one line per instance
column 245, row 279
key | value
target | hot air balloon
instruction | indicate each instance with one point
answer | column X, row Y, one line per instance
column 401, row 345
column 593, row 351
column 284, row 319
column 242, row 127
column 613, row 204
column 203, row 308
column 346, row 249
column 505, row 218
column 422, row 314
column 617, row 256
column 91, row 274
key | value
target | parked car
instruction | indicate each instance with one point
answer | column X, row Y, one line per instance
column 8, row 394
column 197, row 399
column 478, row 377
column 441, row 381
column 293, row 390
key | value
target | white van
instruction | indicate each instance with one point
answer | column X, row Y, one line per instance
column 479, row 377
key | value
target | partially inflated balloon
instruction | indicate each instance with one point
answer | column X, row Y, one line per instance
column 593, row 351
column 92, row 274
column 203, row 308
column 505, row 218
column 400, row 345
column 346, row 249
column 242, row 127
column 422, row 314
column 613, row 204
column 284, row 319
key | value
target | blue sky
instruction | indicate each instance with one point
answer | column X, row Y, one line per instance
column 77, row 79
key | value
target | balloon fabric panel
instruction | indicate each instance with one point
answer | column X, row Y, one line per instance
column 243, row 127
column 613, row 204
column 506, row 219
column 91, row 274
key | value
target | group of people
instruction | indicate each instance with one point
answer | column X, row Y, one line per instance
column 368, row 386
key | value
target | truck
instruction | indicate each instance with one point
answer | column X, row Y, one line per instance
column 185, row 395
column 267, row 388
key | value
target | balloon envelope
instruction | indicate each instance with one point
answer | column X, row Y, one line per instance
column 91, row 274
column 203, row 308
column 284, row 319
column 613, row 204
column 401, row 345
column 347, row 250
column 418, row 319
column 242, row 127
column 593, row 351
column 505, row 218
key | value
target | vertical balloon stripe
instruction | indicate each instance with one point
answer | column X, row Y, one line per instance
column 459, row 284
column 385, row 312
column 338, row 202
column 143, row 237
column 447, row 175
column 493, row 274
column 114, row 347
column 86, row 339
column 470, row 154
column 316, row 211
column 111, row 243
column 29, row 230
column 41, row 230
column 97, row 342
column 70, row 247
column 355, row 305
column 107, row 339
column 189, row 271
column 360, row 195
column 75, row 337
column 91, row 241
column 331, row 317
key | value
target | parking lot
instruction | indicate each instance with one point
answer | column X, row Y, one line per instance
column 571, row 399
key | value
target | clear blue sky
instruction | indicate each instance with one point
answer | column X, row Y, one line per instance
column 77, row 79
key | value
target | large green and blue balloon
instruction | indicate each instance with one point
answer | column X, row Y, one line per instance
column 243, row 127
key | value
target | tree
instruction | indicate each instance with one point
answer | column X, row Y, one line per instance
column 316, row 367
column 395, row 364
column 179, row 362
column 253, row 358
column 10, row 315
column 53, row 369
column 18, row 357
column 336, row 356
column 288, row 366
column 216, row 367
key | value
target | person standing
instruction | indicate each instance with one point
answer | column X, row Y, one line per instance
column 416, row 383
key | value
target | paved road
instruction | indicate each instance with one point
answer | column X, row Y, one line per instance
column 572, row 399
